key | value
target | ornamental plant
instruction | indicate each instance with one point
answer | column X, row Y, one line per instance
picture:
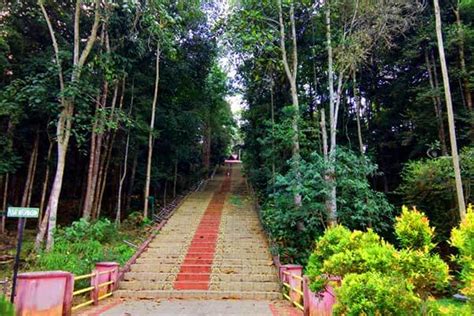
column 368, row 264
column 368, row 294
column 413, row 230
column 462, row 238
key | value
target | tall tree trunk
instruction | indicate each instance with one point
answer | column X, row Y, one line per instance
column 150, row 135
column 123, row 176
column 175, row 178
column 437, row 106
column 462, row 60
column 324, row 134
column 45, row 183
column 291, row 73
column 331, row 204
column 91, row 171
column 30, row 177
column 104, row 174
column 108, row 142
column 122, row 180
column 95, row 157
column 357, row 110
column 4, row 203
column 133, row 172
column 63, row 130
column 272, row 114
column 449, row 106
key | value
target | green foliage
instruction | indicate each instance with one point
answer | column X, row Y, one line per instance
column 79, row 246
column 429, row 184
column 462, row 238
column 413, row 230
column 359, row 206
column 134, row 220
column 101, row 230
column 374, row 272
column 6, row 308
column 448, row 307
column 375, row 293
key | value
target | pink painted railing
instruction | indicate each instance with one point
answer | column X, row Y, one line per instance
column 51, row 293
column 299, row 293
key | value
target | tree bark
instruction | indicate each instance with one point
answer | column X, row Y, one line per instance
column 272, row 115
column 63, row 131
column 331, row 204
column 94, row 157
column 150, row 135
column 4, row 203
column 437, row 106
column 324, row 134
column 449, row 106
column 133, row 172
column 357, row 110
column 45, row 184
column 122, row 180
column 462, row 60
column 291, row 73
column 30, row 178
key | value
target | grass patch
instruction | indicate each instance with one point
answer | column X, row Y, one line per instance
column 449, row 307
column 236, row 200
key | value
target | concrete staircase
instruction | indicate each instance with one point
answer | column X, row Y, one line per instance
column 213, row 247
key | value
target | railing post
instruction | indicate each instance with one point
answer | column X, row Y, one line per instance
column 112, row 276
column 297, row 270
column 306, row 296
column 95, row 284
column 44, row 293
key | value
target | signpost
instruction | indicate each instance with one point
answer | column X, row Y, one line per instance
column 22, row 213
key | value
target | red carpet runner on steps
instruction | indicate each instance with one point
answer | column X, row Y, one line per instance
column 196, row 268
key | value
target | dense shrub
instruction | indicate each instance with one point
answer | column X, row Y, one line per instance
column 79, row 246
column 462, row 238
column 429, row 184
column 340, row 252
column 6, row 308
column 410, row 272
column 368, row 294
column 359, row 206
column 413, row 230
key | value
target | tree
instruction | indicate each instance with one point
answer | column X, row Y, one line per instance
column 449, row 107
column 64, row 124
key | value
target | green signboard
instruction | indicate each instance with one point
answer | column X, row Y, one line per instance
column 23, row 212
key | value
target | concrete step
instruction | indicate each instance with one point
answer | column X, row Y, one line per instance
column 212, row 285
column 244, row 244
column 198, row 294
column 205, row 247
column 179, row 256
column 243, row 254
column 191, row 268
column 216, row 261
column 219, row 277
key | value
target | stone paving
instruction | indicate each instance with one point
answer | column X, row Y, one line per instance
column 213, row 247
column 211, row 258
